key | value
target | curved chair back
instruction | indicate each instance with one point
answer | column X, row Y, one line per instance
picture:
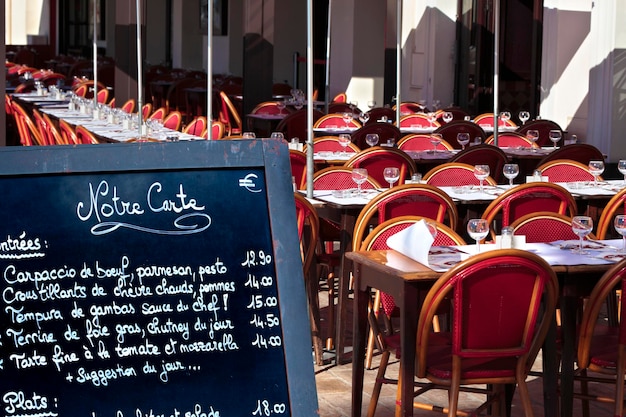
column 489, row 342
column 565, row 170
column 68, row 133
column 129, row 105
column 449, row 131
column 418, row 120
column 229, row 115
column 336, row 120
column 454, row 174
column 218, row 130
column 158, row 114
column 484, row 154
column 339, row 178
column 602, row 346
column 295, row 125
column 408, row 107
column 27, row 129
column 173, row 120
column 581, row 152
column 377, row 158
column 384, row 131
column 331, row 144
column 409, row 199
column 298, row 168
column 457, row 114
column 616, row 205
column 417, row 142
column 511, row 140
column 340, row 98
column 544, row 127
column 196, row 126
column 486, row 119
column 84, row 136
column 529, row 198
column 377, row 114
column 545, row 226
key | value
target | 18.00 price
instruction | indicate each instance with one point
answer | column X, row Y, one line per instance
column 265, row 408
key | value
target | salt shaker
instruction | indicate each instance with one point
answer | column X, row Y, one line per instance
column 506, row 238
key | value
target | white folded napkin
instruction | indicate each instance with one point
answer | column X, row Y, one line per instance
column 414, row 241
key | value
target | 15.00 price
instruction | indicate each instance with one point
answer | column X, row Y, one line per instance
column 258, row 301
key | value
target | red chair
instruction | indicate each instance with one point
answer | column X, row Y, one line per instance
column 486, row 120
column 339, row 178
column 219, row 130
column 146, row 110
column 484, row 154
column 295, row 125
column 196, row 126
column 418, row 142
column 453, row 174
column 67, row 133
column 331, row 144
column 340, row 98
column 529, row 198
column 545, row 226
column 449, row 131
column 129, row 105
column 602, row 344
column 565, row 170
column 336, row 120
column 616, row 205
column 581, row 152
column 173, row 120
column 84, row 136
column 307, row 221
column 544, row 127
column 229, row 115
column 298, row 168
column 408, row 107
column 159, row 114
column 377, row 158
column 511, row 140
column 418, row 120
column 27, row 129
column 385, row 131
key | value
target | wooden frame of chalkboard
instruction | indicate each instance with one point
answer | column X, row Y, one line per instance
column 152, row 279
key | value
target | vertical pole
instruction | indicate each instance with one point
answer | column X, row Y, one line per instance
column 309, row 107
column 209, row 70
column 328, row 43
column 496, row 68
column 139, row 71
column 398, row 60
column 95, row 58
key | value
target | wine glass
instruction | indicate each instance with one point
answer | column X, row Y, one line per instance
column 481, row 172
column 372, row 139
column 280, row 104
column 619, row 222
column 463, row 138
column 524, row 116
column 435, row 139
column 505, row 116
column 447, row 116
column 344, row 140
column 277, row 135
column 596, row 168
column 371, row 104
column 347, row 118
column 359, row 175
column 510, row 171
column 555, row 136
column 391, row 174
column 364, row 117
column 478, row 229
column 533, row 136
column 248, row 135
column 432, row 118
column 621, row 167
column 581, row 226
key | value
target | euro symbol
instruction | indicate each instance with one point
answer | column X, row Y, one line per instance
column 249, row 184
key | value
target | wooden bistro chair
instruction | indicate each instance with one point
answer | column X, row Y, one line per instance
column 511, row 140
column 298, row 162
column 546, row 226
column 528, row 198
column 84, row 136
column 487, row 343
column 601, row 357
column 335, row 120
column 616, row 205
column 581, row 152
column 484, row 154
column 377, row 158
column 196, row 126
column 229, row 115
column 418, row 142
column 566, row 170
column 454, row 174
column 173, row 120
column 331, row 144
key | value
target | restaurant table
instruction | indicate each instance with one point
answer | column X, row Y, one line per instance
column 404, row 279
column 264, row 124
column 334, row 131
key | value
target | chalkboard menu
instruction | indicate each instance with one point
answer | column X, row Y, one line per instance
column 152, row 280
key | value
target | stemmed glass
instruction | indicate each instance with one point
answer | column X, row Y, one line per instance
column 481, row 172
column 347, row 118
column 533, row 136
column 620, row 227
column 621, row 167
column 372, row 139
column 447, row 116
column 435, row 139
column 359, row 175
column 391, row 174
column 463, row 138
column 555, row 136
column 364, row 117
column 524, row 116
column 344, row 140
column 596, row 168
column 371, row 104
column 510, row 171
column 581, row 226
column 478, row 229
column 505, row 116
column 432, row 118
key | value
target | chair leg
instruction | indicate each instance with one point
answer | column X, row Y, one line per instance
column 369, row 353
column 619, row 384
column 378, row 385
column 330, row 281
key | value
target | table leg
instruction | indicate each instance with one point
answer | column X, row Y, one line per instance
column 347, row 226
column 361, row 298
column 568, row 324
column 550, row 373
column 410, row 307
